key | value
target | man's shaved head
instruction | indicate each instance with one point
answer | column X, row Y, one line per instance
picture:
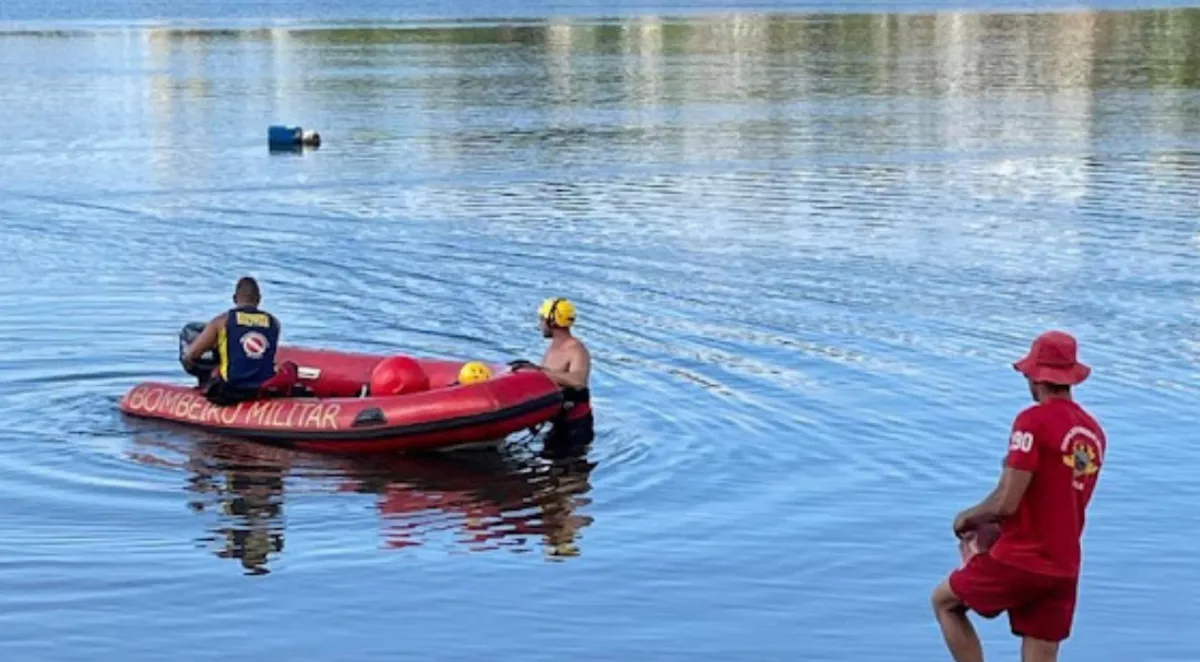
column 246, row 292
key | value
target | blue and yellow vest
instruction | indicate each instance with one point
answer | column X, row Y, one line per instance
column 247, row 347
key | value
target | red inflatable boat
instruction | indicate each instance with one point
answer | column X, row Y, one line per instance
column 337, row 419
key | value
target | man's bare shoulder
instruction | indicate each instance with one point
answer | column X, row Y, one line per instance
column 576, row 346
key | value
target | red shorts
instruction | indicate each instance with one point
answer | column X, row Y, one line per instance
column 1038, row 606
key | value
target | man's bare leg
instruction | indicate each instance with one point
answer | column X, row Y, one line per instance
column 1038, row 650
column 960, row 635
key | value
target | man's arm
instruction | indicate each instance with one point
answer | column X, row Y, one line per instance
column 1019, row 466
column 578, row 368
column 278, row 340
column 1002, row 502
column 206, row 340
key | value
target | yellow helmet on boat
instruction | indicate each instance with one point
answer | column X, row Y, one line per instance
column 558, row 312
column 474, row 372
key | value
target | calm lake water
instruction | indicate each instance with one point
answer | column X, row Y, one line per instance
column 805, row 249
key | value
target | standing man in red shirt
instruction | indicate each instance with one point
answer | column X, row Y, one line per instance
column 1054, row 457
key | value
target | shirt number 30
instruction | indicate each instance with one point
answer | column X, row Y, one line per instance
column 1021, row 441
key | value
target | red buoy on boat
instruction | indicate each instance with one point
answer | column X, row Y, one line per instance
column 398, row 375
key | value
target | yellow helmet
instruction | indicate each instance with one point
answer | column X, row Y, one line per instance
column 558, row 312
column 474, row 372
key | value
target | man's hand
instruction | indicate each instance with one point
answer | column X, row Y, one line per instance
column 968, row 546
column 962, row 523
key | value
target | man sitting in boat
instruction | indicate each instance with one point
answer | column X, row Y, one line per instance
column 568, row 362
column 244, row 339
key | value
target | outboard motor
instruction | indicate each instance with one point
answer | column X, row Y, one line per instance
column 203, row 368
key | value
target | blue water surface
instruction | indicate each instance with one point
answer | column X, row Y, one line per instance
column 806, row 243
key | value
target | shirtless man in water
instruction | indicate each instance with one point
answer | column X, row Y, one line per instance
column 568, row 363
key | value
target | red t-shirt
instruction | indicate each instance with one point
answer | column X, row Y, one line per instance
column 1064, row 448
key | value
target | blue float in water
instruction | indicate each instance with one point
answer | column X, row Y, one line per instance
column 281, row 136
column 291, row 137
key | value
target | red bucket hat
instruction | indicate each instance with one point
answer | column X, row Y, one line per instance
column 1052, row 359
